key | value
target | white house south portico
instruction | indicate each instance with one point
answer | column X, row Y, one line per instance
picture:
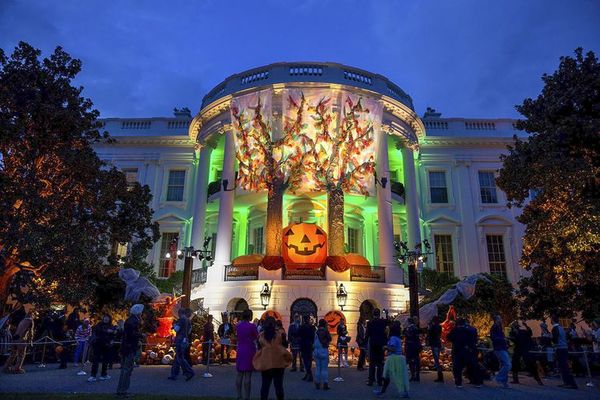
column 307, row 132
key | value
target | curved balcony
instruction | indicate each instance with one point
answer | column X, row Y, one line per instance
column 308, row 72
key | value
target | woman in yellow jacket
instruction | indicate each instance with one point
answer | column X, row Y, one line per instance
column 272, row 359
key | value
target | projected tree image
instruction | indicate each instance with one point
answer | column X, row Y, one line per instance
column 268, row 163
column 344, row 159
column 314, row 153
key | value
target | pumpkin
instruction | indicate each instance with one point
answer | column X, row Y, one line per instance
column 333, row 319
column 304, row 245
column 271, row 313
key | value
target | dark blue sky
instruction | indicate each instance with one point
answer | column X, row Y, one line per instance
column 465, row 58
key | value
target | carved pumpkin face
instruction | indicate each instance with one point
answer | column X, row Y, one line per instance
column 304, row 244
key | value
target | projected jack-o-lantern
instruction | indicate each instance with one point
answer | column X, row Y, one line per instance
column 304, row 244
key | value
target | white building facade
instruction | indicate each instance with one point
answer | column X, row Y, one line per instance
column 440, row 174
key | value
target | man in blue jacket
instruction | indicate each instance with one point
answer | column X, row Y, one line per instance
column 559, row 339
column 500, row 346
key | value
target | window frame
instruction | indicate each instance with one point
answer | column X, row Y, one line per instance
column 482, row 188
column 431, row 187
column 356, row 239
column 163, row 251
column 503, row 256
column 449, row 246
column 255, row 242
column 183, row 185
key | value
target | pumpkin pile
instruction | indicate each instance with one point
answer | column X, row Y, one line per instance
column 445, row 359
column 161, row 352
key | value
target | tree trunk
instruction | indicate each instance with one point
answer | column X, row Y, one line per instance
column 274, row 226
column 335, row 216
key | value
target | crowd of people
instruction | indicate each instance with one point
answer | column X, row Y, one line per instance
column 393, row 351
column 100, row 340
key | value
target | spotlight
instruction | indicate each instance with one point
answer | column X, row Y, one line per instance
column 200, row 256
column 168, row 256
column 421, row 258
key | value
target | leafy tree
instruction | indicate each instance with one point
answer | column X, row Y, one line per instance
column 560, row 163
column 61, row 208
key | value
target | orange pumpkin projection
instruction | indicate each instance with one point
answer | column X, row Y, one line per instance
column 333, row 319
column 271, row 313
column 304, row 246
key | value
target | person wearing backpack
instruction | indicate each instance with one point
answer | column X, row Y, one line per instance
column 272, row 359
column 321, row 355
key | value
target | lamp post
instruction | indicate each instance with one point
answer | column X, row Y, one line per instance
column 342, row 296
column 412, row 258
column 265, row 296
column 188, row 254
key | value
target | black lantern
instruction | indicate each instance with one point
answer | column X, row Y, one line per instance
column 265, row 296
column 342, row 296
column 381, row 182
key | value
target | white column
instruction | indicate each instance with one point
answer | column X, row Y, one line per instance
column 225, row 221
column 393, row 272
column 469, row 242
column 198, row 221
column 411, row 198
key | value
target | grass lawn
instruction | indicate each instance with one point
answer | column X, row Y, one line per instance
column 95, row 396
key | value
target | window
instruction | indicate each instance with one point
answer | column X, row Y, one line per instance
column 168, row 244
column 121, row 250
column 259, row 234
column 437, row 187
column 487, row 186
column 496, row 257
column 131, row 176
column 444, row 260
column 176, row 184
column 352, row 240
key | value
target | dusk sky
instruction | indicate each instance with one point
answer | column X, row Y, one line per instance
column 464, row 58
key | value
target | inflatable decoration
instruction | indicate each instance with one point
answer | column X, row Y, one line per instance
column 137, row 286
column 465, row 288
column 449, row 323
column 304, row 246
